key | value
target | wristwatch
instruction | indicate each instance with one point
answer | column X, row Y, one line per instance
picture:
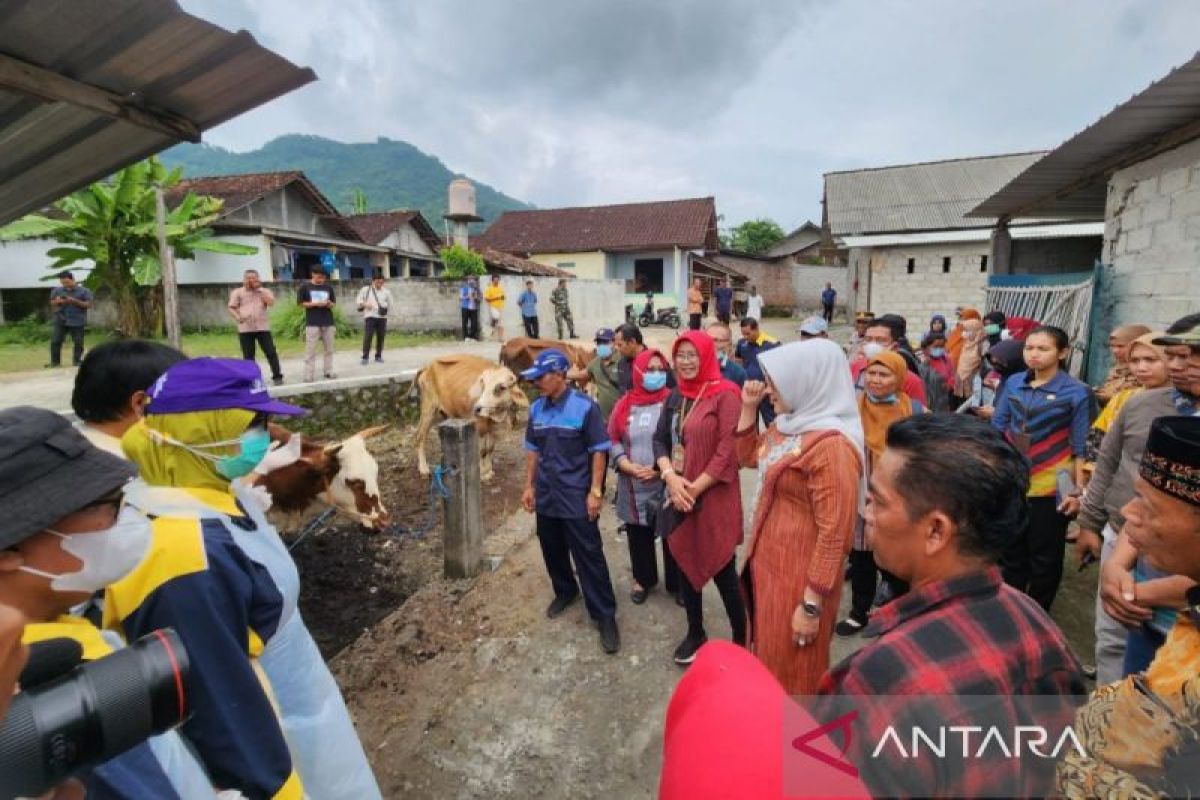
column 811, row 609
column 596, row 493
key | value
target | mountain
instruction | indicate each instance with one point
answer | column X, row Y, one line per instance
column 391, row 174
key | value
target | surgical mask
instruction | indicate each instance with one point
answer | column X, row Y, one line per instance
column 604, row 350
column 653, row 381
column 887, row 399
column 253, row 445
column 937, row 352
column 722, row 357
column 107, row 555
column 991, row 330
column 872, row 349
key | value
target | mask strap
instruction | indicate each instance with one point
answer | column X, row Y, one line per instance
column 39, row 572
column 162, row 438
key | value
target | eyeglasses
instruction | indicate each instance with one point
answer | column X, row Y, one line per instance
column 686, row 356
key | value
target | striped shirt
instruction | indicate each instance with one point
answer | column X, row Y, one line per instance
column 1055, row 416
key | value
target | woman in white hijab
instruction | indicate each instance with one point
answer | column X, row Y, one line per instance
column 810, row 463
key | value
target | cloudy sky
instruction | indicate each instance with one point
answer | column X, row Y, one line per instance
column 575, row 102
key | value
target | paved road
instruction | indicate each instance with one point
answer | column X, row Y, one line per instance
column 52, row 388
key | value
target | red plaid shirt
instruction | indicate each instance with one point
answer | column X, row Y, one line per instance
column 967, row 636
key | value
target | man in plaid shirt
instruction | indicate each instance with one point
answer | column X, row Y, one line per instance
column 961, row 648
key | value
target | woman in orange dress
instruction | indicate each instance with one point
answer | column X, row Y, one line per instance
column 810, row 474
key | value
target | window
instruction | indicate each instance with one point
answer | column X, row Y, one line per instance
column 565, row 265
column 983, row 263
column 648, row 275
column 912, row 266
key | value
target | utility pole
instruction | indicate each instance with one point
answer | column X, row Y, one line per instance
column 167, row 263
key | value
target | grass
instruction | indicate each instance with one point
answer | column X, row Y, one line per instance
column 25, row 347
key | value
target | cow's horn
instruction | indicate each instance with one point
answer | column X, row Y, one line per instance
column 369, row 432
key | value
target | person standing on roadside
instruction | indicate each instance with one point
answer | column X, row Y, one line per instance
column 249, row 305
column 493, row 295
column 70, row 303
column 754, row 304
column 695, row 305
column 468, row 304
column 723, row 297
column 529, row 313
column 317, row 298
column 374, row 302
column 560, row 298
column 828, row 298
column 567, row 444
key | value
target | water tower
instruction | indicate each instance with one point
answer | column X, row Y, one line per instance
column 462, row 208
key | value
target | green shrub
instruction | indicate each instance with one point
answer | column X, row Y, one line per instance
column 461, row 262
column 287, row 321
column 29, row 330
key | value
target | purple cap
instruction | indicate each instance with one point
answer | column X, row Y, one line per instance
column 209, row 384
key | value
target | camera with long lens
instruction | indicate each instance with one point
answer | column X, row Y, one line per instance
column 93, row 713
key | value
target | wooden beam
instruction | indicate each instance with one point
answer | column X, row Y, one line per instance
column 170, row 283
column 35, row 81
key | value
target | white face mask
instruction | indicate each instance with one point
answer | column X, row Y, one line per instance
column 872, row 349
column 107, row 555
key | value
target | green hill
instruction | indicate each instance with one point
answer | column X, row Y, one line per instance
column 392, row 174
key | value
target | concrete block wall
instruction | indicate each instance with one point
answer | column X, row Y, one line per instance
column 808, row 281
column 928, row 290
column 1152, row 239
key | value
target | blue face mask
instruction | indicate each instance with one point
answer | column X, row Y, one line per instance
column 653, row 381
column 604, row 350
column 887, row 399
column 722, row 357
column 254, row 446
column 937, row 352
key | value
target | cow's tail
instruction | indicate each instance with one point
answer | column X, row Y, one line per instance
column 415, row 386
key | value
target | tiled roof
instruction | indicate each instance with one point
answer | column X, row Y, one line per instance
column 690, row 223
column 917, row 197
column 376, row 227
column 506, row 262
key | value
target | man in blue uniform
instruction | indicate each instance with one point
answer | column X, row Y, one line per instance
column 567, row 444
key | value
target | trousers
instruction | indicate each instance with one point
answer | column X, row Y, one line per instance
column 531, row 326
column 58, row 335
column 264, row 340
column 314, row 335
column 1110, row 634
column 470, row 323
column 562, row 315
column 1033, row 562
column 731, row 595
column 374, row 328
column 578, row 540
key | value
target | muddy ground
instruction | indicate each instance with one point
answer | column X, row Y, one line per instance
column 465, row 689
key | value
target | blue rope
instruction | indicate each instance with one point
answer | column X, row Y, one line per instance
column 437, row 491
column 316, row 524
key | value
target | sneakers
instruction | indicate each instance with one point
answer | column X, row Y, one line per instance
column 559, row 604
column 378, row 359
column 364, row 362
column 278, row 380
column 330, row 375
column 850, row 626
column 685, row 653
column 610, row 637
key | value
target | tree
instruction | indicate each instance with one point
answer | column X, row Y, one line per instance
column 754, row 236
column 358, row 201
column 461, row 262
column 112, row 224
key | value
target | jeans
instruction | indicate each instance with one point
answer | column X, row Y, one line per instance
column 1140, row 648
column 58, row 335
column 374, row 328
column 578, row 540
column 1110, row 634
column 1033, row 563
column 531, row 326
column 731, row 594
column 267, row 343
column 827, row 312
column 312, row 335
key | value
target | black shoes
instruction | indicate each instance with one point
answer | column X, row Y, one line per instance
column 638, row 596
column 685, row 653
column 610, row 638
column 559, row 604
column 850, row 626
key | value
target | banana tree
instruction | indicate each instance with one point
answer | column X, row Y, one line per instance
column 112, row 224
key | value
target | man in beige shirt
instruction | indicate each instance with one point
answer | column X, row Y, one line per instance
column 248, row 305
column 695, row 305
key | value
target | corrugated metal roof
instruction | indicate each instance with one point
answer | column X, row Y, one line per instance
column 140, row 59
column 913, row 197
column 1072, row 180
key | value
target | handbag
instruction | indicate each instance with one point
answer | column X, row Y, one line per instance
column 381, row 310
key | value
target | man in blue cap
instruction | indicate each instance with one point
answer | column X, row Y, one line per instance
column 567, row 446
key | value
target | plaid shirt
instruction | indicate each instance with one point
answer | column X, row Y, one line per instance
column 967, row 636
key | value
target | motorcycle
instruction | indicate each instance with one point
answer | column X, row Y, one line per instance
column 664, row 316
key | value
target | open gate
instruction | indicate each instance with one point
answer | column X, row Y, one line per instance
column 1063, row 300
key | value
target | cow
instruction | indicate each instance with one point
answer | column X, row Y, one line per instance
column 467, row 387
column 343, row 474
column 518, row 354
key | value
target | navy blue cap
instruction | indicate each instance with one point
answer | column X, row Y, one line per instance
column 605, row 335
column 547, row 361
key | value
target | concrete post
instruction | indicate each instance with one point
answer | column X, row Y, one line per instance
column 462, row 540
column 1001, row 260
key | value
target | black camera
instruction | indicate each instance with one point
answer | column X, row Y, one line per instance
column 93, row 713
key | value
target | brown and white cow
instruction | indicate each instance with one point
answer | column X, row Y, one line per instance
column 343, row 474
column 467, row 387
column 518, row 354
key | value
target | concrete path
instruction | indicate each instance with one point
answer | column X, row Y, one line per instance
column 51, row 388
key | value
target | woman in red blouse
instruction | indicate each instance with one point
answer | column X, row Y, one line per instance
column 696, row 453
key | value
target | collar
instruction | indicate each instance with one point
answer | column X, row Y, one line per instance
column 223, row 502
column 562, row 399
column 928, row 597
column 764, row 338
column 1052, row 385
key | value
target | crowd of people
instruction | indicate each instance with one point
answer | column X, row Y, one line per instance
column 952, row 469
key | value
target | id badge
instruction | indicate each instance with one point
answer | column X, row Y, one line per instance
column 677, row 458
column 1021, row 441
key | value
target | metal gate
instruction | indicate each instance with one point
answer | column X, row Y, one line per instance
column 1063, row 300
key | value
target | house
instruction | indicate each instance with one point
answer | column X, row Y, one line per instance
column 652, row 247
column 911, row 251
column 411, row 241
column 801, row 246
column 1137, row 168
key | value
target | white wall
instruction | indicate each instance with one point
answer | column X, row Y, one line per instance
column 1152, row 239
column 928, row 290
column 24, row 262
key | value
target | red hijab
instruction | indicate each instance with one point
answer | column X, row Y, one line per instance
column 618, row 420
column 710, row 369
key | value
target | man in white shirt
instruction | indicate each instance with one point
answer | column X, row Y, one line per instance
column 754, row 304
column 374, row 301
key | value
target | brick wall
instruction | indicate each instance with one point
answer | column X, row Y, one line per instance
column 1152, row 239
column 927, row 290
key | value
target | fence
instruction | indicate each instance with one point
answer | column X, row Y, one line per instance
column 1063, row 300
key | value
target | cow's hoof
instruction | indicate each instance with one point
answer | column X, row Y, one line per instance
column 487, row 476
